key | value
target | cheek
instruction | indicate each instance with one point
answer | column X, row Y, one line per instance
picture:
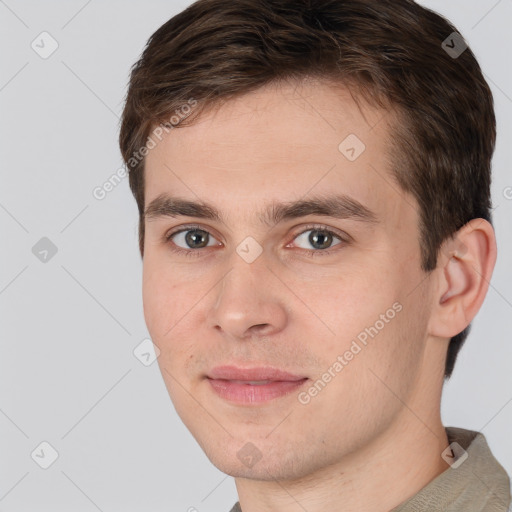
column 372, row 315
column 394, row 352
column 349, row 304
column 378, row 364
column 160, row 296
column 170, row 302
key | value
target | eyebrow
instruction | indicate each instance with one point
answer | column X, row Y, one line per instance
column 335, row 206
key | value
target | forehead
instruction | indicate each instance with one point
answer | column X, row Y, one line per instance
column 280, row 143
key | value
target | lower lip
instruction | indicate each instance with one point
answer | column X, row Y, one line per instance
column 252, row 393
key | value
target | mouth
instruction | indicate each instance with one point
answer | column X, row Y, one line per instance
column 253, row 385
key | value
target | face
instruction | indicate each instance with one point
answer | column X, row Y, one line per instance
column 287, row 310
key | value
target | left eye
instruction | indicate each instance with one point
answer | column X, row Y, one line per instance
column 318, row 238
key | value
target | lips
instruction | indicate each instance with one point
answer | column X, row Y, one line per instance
column 252, row 385
column 252, row 374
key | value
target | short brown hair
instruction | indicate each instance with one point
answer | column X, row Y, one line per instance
column 389, row 51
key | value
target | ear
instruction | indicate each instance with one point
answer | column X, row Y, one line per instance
column 464, row 269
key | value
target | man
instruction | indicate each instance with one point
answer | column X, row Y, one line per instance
column 313, row 182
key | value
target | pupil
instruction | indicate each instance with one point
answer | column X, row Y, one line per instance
column 194, row 236
column 316, row 238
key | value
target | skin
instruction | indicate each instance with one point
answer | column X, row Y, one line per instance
column 373, row 436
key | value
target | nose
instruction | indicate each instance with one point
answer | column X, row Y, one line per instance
column 249, row 301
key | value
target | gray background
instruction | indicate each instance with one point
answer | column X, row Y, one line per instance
column 69, row 325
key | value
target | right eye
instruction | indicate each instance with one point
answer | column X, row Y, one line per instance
column 189, row 238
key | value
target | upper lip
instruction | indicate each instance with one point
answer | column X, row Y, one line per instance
column 252, row 374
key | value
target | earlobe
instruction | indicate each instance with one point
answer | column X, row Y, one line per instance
column 465, row 267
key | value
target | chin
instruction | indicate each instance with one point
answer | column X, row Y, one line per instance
column 250, row 462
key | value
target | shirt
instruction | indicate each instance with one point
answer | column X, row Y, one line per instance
column 478, row 484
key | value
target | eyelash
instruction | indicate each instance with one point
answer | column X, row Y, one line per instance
column 311, row 252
